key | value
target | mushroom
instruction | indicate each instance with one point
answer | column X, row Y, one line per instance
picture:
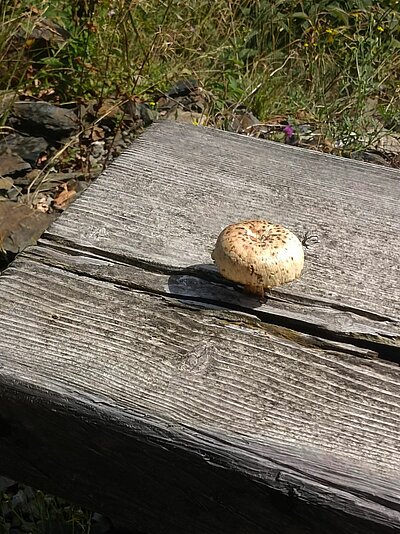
column 259, row 255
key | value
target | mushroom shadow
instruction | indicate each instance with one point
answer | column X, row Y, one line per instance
column 202, row 282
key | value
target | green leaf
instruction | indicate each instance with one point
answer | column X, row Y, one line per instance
column 339, row 14
column 300, row 15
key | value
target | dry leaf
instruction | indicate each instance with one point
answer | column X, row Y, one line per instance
column 42, row 159
column 43, row 203
column 63, row 199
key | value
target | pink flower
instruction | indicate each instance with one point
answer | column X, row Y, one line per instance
column 288, row 131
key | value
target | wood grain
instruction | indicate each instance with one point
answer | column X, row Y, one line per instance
column 211, row 372
column 161, row 392
column 198, row 365
column 156, row 477
column 165, row 200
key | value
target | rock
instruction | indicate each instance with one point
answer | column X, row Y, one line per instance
column 185, row 95
column 388, row 143
column 189, row 117
column 182, row 88
column 13, row 165
column 7, row 99
column 45, row 119
column 140, row 111
column 97, row 150
column 14, row 193
column 19, row 499
column 392, row 124
column 6, row 183
column 21, row 226
column 27, row 179
column 370, row 156
column 45, row 30
column 108, row 112
column 27, row 147
column 6, row 483
column 164, row 103
column 100, row 524
column 243, row 122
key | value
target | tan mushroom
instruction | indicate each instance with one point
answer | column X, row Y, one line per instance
column 259, row 255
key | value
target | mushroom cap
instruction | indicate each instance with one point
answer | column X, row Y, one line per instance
column 259, row 255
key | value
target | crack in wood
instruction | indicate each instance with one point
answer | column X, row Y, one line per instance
column 306, row 301
column 375, row 345
column 204, row 272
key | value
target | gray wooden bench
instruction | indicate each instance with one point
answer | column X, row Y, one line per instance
column 137, row 382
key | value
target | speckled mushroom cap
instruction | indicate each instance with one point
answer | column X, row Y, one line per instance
column 259, row 255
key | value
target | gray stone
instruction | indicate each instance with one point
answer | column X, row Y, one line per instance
column 21, row 226
column 7, row 99
column 140, row 111
column 5, row 483
column 27, row 147
column 13, row 165
column 182, row 88
column 6, row 183
column 42, row 118
column 371, row 156
column 28, row 178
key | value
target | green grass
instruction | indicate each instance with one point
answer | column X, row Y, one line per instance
column 335, row 67
column 34, row 512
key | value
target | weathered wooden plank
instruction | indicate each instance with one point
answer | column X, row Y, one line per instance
column 266, row 402
column 167, row 198
column 155, row 389
column 142, row 474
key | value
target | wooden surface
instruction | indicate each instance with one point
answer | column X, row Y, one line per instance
column 159, row 392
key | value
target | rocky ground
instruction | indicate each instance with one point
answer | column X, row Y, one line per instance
column 25, row 510
column 49, row 154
